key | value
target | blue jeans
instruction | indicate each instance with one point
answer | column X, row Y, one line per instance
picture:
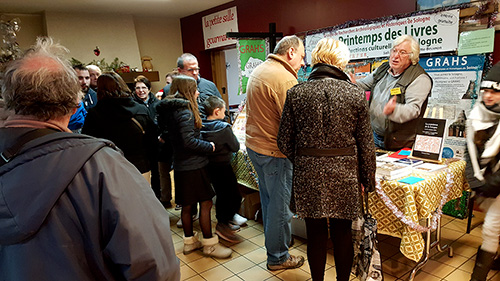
column 378, row 140
column 275, row 188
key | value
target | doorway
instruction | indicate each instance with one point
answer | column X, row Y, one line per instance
column 226, row 75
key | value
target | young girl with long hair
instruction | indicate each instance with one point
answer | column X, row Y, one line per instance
column 179, row 114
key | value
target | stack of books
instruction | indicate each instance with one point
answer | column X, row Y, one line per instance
column 392, row 171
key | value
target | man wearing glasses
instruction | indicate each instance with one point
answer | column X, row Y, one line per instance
column 399, row 93
column 187, row 64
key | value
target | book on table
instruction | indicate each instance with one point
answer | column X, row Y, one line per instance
column 392, row 171
column 429, row 140
column 401, row 154
column 410, row 162
column 428, row 168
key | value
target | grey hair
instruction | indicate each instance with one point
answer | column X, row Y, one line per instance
column 286, row 43
column 185, row 57
column 94, row 68
column 415, row 47
column 41, row 83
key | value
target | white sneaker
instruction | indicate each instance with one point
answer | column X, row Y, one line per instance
column 179, row 222
column 191, row 244
column 238, row 220
column 212, row 248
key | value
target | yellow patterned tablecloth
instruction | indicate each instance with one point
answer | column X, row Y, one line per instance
column 418, row 202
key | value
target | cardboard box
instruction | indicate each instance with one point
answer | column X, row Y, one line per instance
column 250, row 206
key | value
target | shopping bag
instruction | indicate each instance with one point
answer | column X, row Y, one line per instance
column 367, row 265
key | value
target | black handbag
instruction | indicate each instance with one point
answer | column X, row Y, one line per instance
column 367, row 263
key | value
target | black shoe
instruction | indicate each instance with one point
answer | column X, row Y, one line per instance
column 496, row 264
column 166, row 204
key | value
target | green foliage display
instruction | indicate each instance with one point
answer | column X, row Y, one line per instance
column 115, row 65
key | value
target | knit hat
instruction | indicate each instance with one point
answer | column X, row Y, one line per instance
column 492, row 80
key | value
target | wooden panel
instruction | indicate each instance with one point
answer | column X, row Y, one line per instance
column 219, row 73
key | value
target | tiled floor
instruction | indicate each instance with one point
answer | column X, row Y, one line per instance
column 248, row 261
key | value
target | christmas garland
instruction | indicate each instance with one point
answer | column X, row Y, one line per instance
column 359, row 22
column 410, row 223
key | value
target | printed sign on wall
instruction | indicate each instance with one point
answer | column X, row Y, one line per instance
column 252, row 53
column 216, row 25
column 455, row 89
column 436, row 32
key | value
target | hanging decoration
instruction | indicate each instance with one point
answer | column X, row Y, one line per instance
column 359, row 22
column 97, row 52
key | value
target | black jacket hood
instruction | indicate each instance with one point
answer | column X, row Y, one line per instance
column 172, row 104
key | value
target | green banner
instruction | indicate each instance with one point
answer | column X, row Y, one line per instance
column 252, row 52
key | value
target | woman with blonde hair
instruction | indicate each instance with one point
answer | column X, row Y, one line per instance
column 325, row 131
column 178, row 114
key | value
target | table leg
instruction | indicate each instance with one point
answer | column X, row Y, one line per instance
column 425, row 257
column 429, row 246
column 437, row 243
column 471, row 209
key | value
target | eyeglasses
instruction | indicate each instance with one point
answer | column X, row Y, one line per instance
column 402, row 53
column 193, row 69
column 141, row 88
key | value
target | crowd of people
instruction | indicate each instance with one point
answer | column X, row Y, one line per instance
column 97, row 210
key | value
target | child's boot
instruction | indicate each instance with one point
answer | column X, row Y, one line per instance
column 212, row 248
column 191, row 243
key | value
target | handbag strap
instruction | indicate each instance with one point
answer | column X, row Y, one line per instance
column 365, row 205
column 11, row 152
column 363, row 201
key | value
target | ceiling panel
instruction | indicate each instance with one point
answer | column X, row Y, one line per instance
column 167, row 8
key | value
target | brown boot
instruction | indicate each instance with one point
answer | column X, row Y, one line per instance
column 290, row 263
column 212, row 248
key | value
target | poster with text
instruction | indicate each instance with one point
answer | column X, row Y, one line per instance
column 216, row 25
column 456, row 81
column 252, row 53
column 436, row 32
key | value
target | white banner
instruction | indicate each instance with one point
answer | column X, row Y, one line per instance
column 435, row 32
column 216, row 25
